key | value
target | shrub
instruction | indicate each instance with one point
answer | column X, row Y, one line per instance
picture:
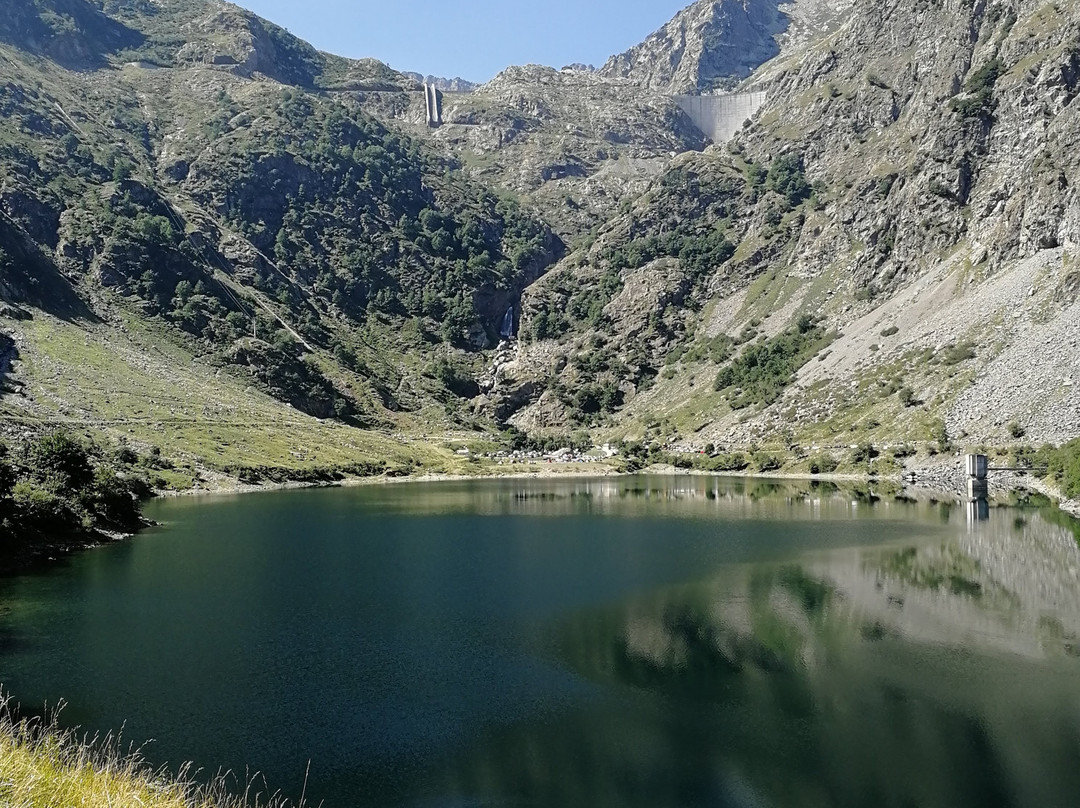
column 60, row 461
column 38, row 509
column 955, row 354
column 764, row 369
column 767, row 462
column 864, row 453
column 940, row 435
column 823, row 464
column 979, row 89
column 59, row 487
column 1063, row 466
column 455, row 379
column 114, row 500
column 1016, row 431
column 907, row 397
column 728, row 462
column 787, row 177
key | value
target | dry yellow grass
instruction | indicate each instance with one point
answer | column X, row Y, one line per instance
column 42, row 766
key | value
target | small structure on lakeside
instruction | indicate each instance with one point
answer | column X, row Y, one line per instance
column 978, row 467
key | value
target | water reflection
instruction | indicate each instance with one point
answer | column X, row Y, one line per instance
column 908, row 675
column 689, row 496
column 978, row 510
column 626, row 642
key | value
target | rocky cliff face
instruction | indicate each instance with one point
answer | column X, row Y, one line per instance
column 708, row 44
column 573, row 143
column 454, row 85
column 909, row 181
column 713, row 45
column 888, row 251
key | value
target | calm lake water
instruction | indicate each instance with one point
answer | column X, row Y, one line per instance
column 622, row 642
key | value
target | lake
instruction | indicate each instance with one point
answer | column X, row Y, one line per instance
column 633, row 641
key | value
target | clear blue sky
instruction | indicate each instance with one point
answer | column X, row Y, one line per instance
column 473, row 39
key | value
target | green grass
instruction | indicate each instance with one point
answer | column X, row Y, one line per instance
column 42, row 766
column 136, row 387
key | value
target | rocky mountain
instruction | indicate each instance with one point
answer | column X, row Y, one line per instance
column 574, row 144
column 715, row 44
column 707, row 44
column 885, row 254
column 454, row 85
column 194, row 175
column 220, row 241
column 569, row 143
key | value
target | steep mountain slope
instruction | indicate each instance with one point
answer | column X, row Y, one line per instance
column 715, row 44
column 250, row 233
column 579, row 143
column 203, row 185
column 573, row 143
column 706, row 43
column 567, row 142
column 906, row 191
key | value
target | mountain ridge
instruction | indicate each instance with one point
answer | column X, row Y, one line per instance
column 211, row 187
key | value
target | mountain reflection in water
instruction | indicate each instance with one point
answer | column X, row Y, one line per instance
column 640, row 641
column 911, row 675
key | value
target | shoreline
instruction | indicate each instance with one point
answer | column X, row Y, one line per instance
column 941, row 479
column 578, row 471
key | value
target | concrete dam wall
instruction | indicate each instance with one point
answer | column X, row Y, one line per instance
column 433, row 104
column 719, row 117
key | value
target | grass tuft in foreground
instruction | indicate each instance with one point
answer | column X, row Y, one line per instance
column 43, row 766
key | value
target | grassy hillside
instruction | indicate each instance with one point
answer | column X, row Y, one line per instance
column 204, row 250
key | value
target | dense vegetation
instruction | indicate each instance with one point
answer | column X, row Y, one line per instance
column 760, row 373
column 672, row 249
column 280, row 231
column 57, row 489
column 1061, row 465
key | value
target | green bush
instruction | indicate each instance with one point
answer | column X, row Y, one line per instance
column 1062, row 466
column 979, row 90
column 787, row 177
column 61, row 462
column 955, row 354
column 455, row 378
column 59, row 487
column 39, row 509
column 762, row 371
column 864, row 453
column 767, row 462
column 823, row 464
column 728, row 462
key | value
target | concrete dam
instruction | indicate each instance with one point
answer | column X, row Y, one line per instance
column 719, row 117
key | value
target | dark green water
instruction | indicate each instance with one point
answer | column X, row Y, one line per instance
column 630, row 642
